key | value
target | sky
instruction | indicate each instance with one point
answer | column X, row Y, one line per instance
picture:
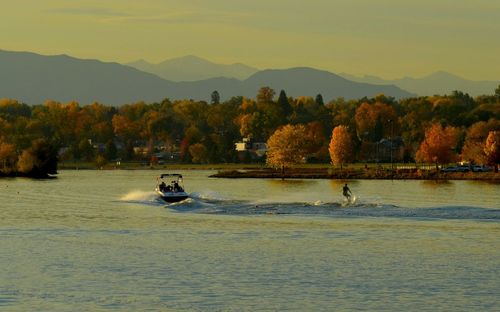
column 385, row 38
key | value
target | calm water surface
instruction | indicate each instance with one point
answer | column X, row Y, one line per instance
column 99, row 241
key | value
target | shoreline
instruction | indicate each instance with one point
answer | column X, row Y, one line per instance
column 355, row 174
column 311, row 171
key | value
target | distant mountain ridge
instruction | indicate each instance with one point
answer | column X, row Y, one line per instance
column 440, row 82
column 193, row 68
column 34, row 78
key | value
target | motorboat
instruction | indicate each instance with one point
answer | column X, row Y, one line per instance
column 170, row 187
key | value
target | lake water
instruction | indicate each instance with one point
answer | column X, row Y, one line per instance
column 102, row 241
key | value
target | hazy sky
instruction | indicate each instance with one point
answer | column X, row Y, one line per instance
column 387, row 38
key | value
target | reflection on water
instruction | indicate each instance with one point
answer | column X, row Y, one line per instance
column 290, row 185
column 337, row 185
column 436, row 183
column 95, row 241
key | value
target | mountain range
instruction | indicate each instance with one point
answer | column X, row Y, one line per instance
column 439, row 82
column 193, row 68
column 33, row 78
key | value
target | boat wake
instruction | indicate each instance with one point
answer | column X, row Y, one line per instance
column 142, row 197
column 213, row 203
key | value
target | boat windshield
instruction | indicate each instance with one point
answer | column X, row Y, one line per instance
column 170, row 183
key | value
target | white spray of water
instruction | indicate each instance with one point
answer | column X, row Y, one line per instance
column 139, row 196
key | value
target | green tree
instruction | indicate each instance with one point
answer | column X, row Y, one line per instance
column 284, row 104
column 110, row 151
column 319, row 100
column 215, row 97
column 86, row 150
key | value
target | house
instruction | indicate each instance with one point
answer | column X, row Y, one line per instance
column 249, row 148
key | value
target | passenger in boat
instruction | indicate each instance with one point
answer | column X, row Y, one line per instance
column 168, row 188
column 162, row 186
column 176, row 187
column 346, row 192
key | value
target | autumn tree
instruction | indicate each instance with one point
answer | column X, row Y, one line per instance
column 95, row 122
column 317, row 138
column 265, row 95
column 8, row 157
column 415, row 114
column 11, row 109
column 100, row 161
column 306, row 110
column 126, row 129
column 342, row 112
column 287, row 147
column 473, row 149
column 438, row 145
column 198, row 153
column 376, row 121
column 39, row 160
column 492, row 149
column 341, row 146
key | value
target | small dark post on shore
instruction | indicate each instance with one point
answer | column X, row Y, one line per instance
column 392, row 135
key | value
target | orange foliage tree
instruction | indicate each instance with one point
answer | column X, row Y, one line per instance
column 438, row 145
column 340, row 148
column 473, row 149
column 375, row 121
column 287, row 147
column 492, row 149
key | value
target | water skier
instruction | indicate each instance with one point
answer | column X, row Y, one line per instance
column 346, row 192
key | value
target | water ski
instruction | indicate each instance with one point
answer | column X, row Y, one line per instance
column 348, row 200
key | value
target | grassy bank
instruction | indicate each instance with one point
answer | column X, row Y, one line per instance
column 143, row 166
column 358, row 173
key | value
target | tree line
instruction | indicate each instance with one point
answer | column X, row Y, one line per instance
column 33, row 137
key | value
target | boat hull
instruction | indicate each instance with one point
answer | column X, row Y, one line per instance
column 173, row 197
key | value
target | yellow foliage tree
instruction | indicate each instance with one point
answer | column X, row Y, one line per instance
column 8, row 157
column 26, row 162
column 340, row 147
column 287, row 147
